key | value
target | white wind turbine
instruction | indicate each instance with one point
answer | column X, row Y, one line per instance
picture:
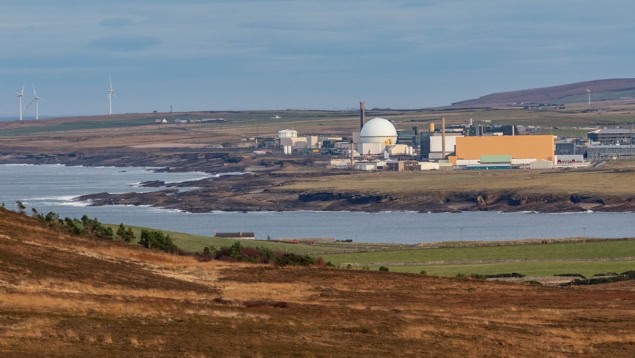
column 110, row 93
column 589, row 93
column 20, row 95
column 36, row 99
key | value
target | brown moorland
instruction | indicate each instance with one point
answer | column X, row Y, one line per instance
column 72, row 296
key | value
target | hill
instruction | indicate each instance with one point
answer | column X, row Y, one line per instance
column 67, row 296
column 602, row 90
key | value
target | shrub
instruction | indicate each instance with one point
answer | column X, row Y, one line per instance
column 383, row 268
column 151, row 239
column 207, row 254
column 20, row 206
column 629, row 274
column 423, row 272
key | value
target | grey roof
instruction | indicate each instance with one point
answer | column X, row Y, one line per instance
column 614, row 131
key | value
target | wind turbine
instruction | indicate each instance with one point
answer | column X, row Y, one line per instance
column 36, row 99
column 20, row 95
column 589, row 92
column 110, row 93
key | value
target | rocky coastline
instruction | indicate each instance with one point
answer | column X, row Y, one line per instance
column 262, row 188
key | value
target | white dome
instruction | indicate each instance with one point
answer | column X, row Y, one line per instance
column 378, row 130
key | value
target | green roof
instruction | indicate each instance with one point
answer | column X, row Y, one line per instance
column 496, row 159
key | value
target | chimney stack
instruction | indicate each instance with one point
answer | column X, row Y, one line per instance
column 362, row 114
column 443, row 137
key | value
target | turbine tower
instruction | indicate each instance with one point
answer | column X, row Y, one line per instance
column 36, row 99
column 110, row 93
column 20, row 95
column 589, row 92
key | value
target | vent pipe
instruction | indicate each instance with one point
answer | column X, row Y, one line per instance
column 362, row 114
column 443, row 138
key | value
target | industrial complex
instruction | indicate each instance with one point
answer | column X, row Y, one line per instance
column 378, row 145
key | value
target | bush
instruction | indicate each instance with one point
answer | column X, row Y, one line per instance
column 208, row 254
column 20, row 206
column 383, row 269
column 423, row 272
column 151, row 239
column 506, row 275
column 124, row 234
column 477, row 276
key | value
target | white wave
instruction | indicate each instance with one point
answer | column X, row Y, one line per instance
column 78, row 204
column 55, row 198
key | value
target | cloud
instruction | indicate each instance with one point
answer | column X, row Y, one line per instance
column 125, row 43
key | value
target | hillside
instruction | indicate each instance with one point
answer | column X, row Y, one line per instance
column 72, row 296
column 609, row 89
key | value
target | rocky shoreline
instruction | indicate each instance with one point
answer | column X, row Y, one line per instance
column 262, row 188
column 265, row 192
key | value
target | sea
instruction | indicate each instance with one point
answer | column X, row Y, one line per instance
column 55, row 187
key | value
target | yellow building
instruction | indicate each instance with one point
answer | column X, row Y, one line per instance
column 538, row 147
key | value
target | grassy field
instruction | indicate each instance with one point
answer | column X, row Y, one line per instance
column 589, row 250
column 586, row 258
column 606, row 181
column 529, row 259
column 586, row 268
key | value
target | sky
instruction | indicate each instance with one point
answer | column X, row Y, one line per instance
column 279, row 54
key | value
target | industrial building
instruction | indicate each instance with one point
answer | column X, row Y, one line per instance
column 503, row 150
column 612, row 136
column 379, row 146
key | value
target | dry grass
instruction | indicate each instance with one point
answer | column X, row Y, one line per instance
column 113, row 303
column 604, row 181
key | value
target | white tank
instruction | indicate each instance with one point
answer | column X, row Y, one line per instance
column 378, row 130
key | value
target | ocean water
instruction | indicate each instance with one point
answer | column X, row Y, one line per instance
column 54, row 187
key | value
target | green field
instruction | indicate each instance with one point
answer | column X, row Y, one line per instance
column 561, row 251
column 533, row 259
column 586, row 268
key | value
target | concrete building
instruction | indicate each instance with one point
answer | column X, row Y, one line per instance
column 596, row 152
column 436, row 145
column 287, row 133
column 612, row 136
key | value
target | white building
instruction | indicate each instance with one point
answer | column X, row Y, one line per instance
column 287, row 133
